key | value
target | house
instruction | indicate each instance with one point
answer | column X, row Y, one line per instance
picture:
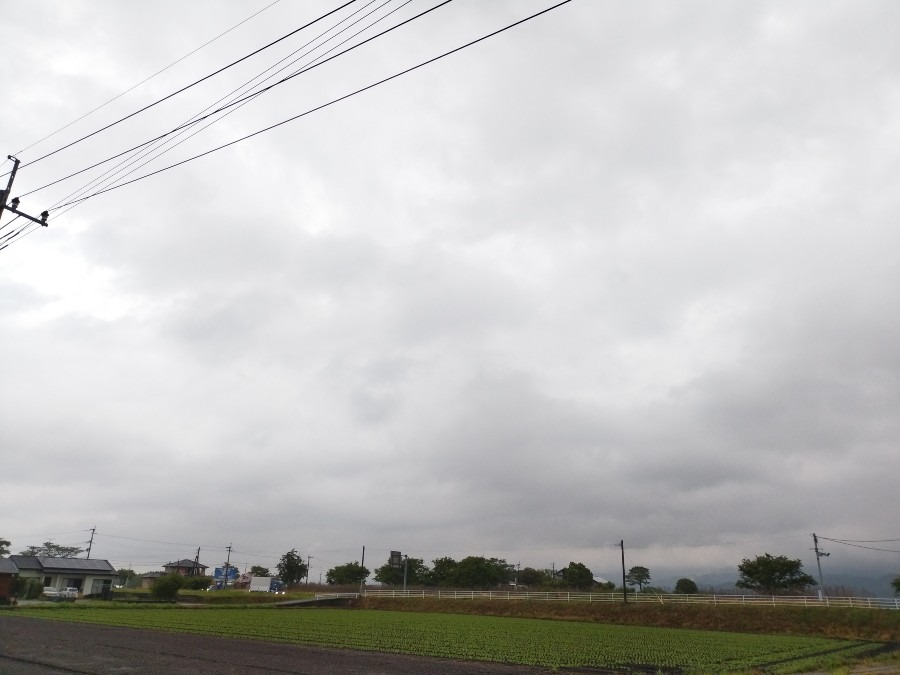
column 147, row 578
column 90, row 577
column 186, row 568
column 8, row 573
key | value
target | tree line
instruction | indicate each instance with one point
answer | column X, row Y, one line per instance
column 766, row 574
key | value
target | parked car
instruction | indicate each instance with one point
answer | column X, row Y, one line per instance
column 69, row 593
column 50, row 593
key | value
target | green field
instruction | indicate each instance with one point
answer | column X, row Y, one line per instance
column 509, row 640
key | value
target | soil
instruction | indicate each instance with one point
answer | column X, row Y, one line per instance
column 38, row 647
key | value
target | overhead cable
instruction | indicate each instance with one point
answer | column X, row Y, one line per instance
column 317, row 108
column 243, row 99
column 121, row 166
column 147, row 79
column 185, row 88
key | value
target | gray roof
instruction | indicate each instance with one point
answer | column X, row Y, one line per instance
column 185, row 562
column 26, row 562
column 7, row 566
column 77, row 565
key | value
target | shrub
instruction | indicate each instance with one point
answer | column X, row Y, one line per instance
column 166, row 588
column 197, row 583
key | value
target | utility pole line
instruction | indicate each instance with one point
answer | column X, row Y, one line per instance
column 362, row 564
column 227, row 565
column 14, row 204
column 819, row 556
column 91, row 542
column 624, row 587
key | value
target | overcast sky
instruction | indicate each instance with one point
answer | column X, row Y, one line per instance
column 630, row 270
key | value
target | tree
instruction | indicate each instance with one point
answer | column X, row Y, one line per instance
column 686, row 586
column 126, row 576
column 291, row 568
column 197, row 583
column 166, row 588
column 442, row 571
column 896, row 584
column 4, row 546
column 260, row 571
column 417, row 574
column 480, row 572
column 638, row 576
column 772, row 575
column 576, row 575
column 528, row 576
column 50, row 550
column 344, row 575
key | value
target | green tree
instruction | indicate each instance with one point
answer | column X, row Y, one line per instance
column 4, row 546
column 638, row 576
column 50, row 550
column 686, row 586
column 166, row 588
column 259, row 571
column 528, row 576
column 442, row 571
column 291, row 568
column 198, row 583
column 773, row 575
column 126, row 576
column 479, row 572
column 417, row 573
column 577, row 575
column 349, row 573
column 896, row 584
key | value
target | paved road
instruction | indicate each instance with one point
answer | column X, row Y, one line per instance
column 40, row 647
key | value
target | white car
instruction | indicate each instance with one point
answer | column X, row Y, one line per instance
column 50, row 593
column 69, row 593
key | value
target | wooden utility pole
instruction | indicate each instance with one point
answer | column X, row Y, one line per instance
column 14, row 204
column 624, row 587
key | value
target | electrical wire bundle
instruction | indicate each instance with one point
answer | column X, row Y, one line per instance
column 348, row 27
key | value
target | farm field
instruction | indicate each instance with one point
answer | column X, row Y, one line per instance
column 532, row 642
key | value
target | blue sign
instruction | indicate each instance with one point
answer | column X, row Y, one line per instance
column 232, row 573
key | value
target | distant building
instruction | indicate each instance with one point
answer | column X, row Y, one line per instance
column 186, row 568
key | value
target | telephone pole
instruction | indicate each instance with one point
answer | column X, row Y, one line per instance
column 624, row 587
column 91, row 543
column 14, row 204
column 819, row 556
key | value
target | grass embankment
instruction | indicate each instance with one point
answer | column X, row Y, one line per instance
column 142, row 595
column 848, row 624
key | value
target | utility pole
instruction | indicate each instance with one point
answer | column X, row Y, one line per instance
column 196, row 568
column 624, row 587
column 308, row 558
column 819, row 556
column 91, row 542
column 14, row 204
column 362, row 564
column 405, row 565
column 227, row 565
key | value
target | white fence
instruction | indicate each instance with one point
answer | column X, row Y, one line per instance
column 668, row 598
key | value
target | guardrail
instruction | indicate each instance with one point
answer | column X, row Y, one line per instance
column 667, row 598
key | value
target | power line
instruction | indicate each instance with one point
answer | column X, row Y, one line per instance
column 147, row 79
column 193, row 84
column 240, row 103
column 870, row 548
column 236, row 102
column 317, row 108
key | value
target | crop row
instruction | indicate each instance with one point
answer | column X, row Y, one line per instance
column 509, row 640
